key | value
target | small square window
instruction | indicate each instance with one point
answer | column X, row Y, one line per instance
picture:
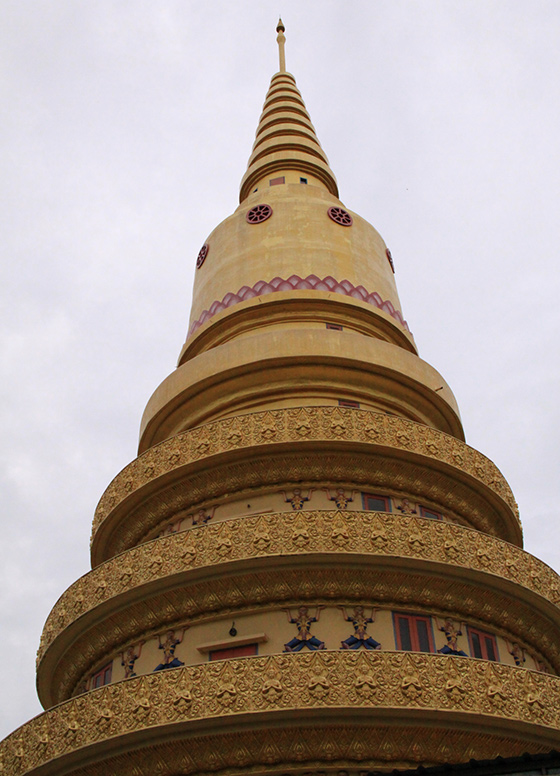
column 102, row 677
column 303, row 180
column 413, row 633
column 333, row 326
column 255, row 189
column 483, row 645
column 376, row 503
column 277, row 181
column 354, row 405
column 430, row 513
column 243, row 650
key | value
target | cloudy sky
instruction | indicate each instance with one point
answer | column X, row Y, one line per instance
column 126, row 129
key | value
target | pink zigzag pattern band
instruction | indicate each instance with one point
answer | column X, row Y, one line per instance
column 295, row 283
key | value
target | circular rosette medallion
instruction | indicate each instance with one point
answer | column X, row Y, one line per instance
column 202, row 254
column 340, row 216
column 258, row 214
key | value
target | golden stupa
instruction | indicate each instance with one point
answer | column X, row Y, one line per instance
column 306, row 569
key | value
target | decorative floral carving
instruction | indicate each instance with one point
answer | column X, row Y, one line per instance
column 318, row 685
column 141, row 706
column 277, row 681
column 338, row 428
column 188, row 554
column 366, row 685
column 105, row 715
column 224, row 546
column 227, row 691
column 201, row 449
column 483, row 556
column 451, row 549
column 339, row 533
column 272, row 689
column 261, row 541
column 455, row 688
column 310, row 531
column 300, row 534
column 411, row 684
column 183, row 700
column 72, row 726
column 125, row 575
column 416, row 542
column 495, row 685
column 328, row 424
column 379, row 539
column 498, row 699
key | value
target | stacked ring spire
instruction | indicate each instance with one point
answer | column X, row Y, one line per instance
column 305, row 569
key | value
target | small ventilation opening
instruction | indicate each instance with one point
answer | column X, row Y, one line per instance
column 355, row 405
column 277, row 181
column 244, row 650
column 303, row 180
column 376, row 503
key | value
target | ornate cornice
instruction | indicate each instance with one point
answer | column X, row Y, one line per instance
column 440, row 565
column 296, row 283
column 335, row 428
column 368, row 688
column 322, row 749
column 248, row 315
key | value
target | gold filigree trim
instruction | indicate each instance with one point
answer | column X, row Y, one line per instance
column 283, row 534
column 441, row 689
column 321, row 749
column 328, row 425
column 134, row 521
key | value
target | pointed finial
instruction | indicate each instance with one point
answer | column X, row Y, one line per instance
column 281, row 40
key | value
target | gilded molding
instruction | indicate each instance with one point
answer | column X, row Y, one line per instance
column 311, row 282
column 301, row 751
column 136, row 523
column 294, row 426
column 496, row 698
column 348, row 534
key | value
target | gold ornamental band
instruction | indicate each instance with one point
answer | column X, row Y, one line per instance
column 452, row 692
column 514, row 580
column 298, row 426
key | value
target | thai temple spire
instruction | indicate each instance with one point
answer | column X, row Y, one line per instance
column 286, row 141
column 281, row 39
column 305, row 570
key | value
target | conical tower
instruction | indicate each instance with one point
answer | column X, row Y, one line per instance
column 305, row 569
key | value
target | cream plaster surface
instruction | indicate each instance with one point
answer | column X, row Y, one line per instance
column 273, row 630
column 294, row 365
column 298, row 239
column 280, row 501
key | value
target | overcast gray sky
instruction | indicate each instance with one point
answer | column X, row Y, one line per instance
column 126, row 129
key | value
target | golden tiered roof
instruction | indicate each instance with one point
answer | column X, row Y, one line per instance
column 306, row 569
